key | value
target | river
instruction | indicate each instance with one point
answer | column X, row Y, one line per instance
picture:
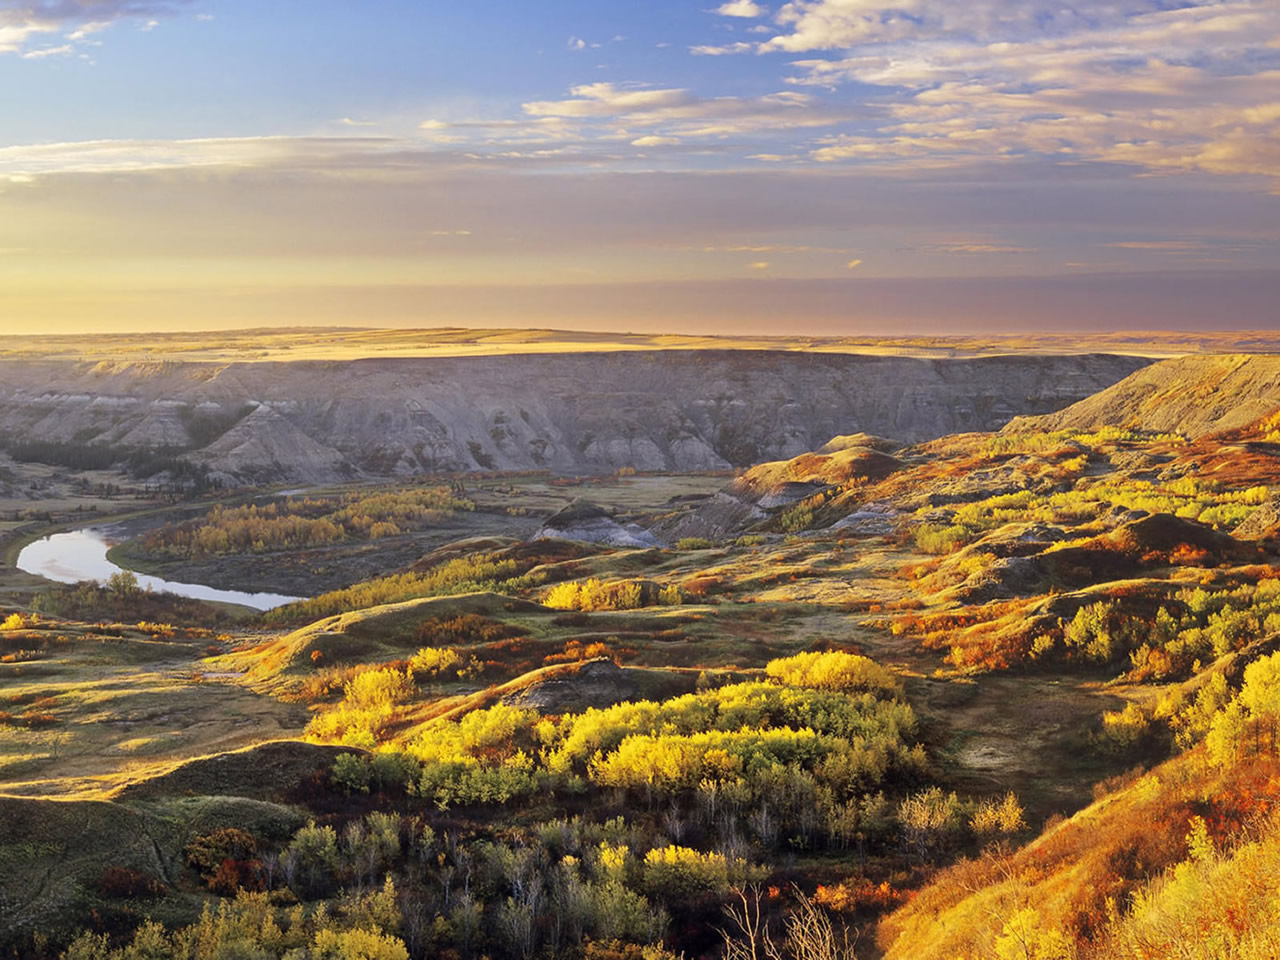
column 82, row 555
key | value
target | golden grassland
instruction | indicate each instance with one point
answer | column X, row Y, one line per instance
column 349, row 343
column 1033, row 716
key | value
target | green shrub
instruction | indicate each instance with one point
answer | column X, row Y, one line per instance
column 352, row 773
column 694, row 543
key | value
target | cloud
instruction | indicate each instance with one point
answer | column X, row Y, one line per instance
column 682, row 114
column 845, row 24
column 1171, row 89
column 656, row 142
column 357, row 196
column 123, row 156
column 973, row 246
column 723, row 50
column 40, row 54
column 87, row 30
column 1164, row 246
column 853, row 264
column 761, row 265
column 784, row 249
column 607, row 100
column 741, row 8
column 75, row 20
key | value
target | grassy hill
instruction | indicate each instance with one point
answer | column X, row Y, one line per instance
column 995, row 695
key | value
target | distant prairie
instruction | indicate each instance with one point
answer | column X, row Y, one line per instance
column 353, row 343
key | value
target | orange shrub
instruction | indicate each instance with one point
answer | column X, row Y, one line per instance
column 859, row 894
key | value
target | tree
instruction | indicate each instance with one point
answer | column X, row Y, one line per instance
column 123, row 584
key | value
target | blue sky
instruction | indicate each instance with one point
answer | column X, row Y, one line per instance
column 219, row 162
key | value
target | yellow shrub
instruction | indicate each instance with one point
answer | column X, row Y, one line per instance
column 832, row 671
column 433, row 661
column 378, row 689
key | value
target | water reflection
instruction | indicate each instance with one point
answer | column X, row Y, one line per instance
column 82, row 555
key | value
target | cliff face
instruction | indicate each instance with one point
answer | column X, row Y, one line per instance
column 1190, row 395
column 568, row 413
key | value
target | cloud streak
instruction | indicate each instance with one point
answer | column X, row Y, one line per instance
column 21, row 23
column 679, row 113
column 1164, row 86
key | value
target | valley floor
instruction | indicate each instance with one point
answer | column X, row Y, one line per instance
column 840, row 673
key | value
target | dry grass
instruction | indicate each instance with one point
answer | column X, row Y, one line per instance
column 1069, row 874
column 335, row 343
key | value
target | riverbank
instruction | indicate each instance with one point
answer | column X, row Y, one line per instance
column 77, row 555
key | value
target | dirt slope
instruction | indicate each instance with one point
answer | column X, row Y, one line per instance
column 1194, row 396
column 685, row 410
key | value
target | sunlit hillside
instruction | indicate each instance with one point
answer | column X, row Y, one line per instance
column 994, row 694
column 354, row 343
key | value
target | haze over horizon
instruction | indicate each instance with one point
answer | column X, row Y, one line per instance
column 824, row 167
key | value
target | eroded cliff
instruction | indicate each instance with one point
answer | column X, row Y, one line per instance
column 569, row 413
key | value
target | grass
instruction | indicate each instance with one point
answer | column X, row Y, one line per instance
column 122, row 697
column 330, row 343
column 133, row 721
column 1105, row 852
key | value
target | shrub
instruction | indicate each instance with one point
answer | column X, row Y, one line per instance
column 124, row 883
column 433, row 661
column 931, row 821
column 207, row 853
column 859, row 894
column 378, row 689
column 594, row 594
column 393, row 770
column 797, row 518
column 357, row 945
column 352, row 773
column 833, row 671
column 694, row 543
column 37, row 719
column 998, row 818
column 931, row 538
column 462, row 575
column 1125, row 730
column 675, row 872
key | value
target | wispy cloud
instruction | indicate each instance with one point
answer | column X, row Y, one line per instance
column 1181, row 86
column 682, row 114
column 1161, row 246
column 653, row 141
column 727, row 49
column 41, row 53
column 22, row 21
column 116, row 156
column 975, row 247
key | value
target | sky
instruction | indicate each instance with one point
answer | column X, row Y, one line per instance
column 813, row 166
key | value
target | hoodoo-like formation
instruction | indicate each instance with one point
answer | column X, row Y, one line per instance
column 567, row 413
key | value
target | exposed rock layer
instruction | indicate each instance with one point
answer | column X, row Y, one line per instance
column 1194, row 396
column 573, row 413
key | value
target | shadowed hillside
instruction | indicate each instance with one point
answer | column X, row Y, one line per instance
column 568, row 413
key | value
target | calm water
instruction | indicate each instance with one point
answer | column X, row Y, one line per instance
column 82, row 555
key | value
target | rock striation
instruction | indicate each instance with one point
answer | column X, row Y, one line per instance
column 688, row 410
column 1194, row 396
